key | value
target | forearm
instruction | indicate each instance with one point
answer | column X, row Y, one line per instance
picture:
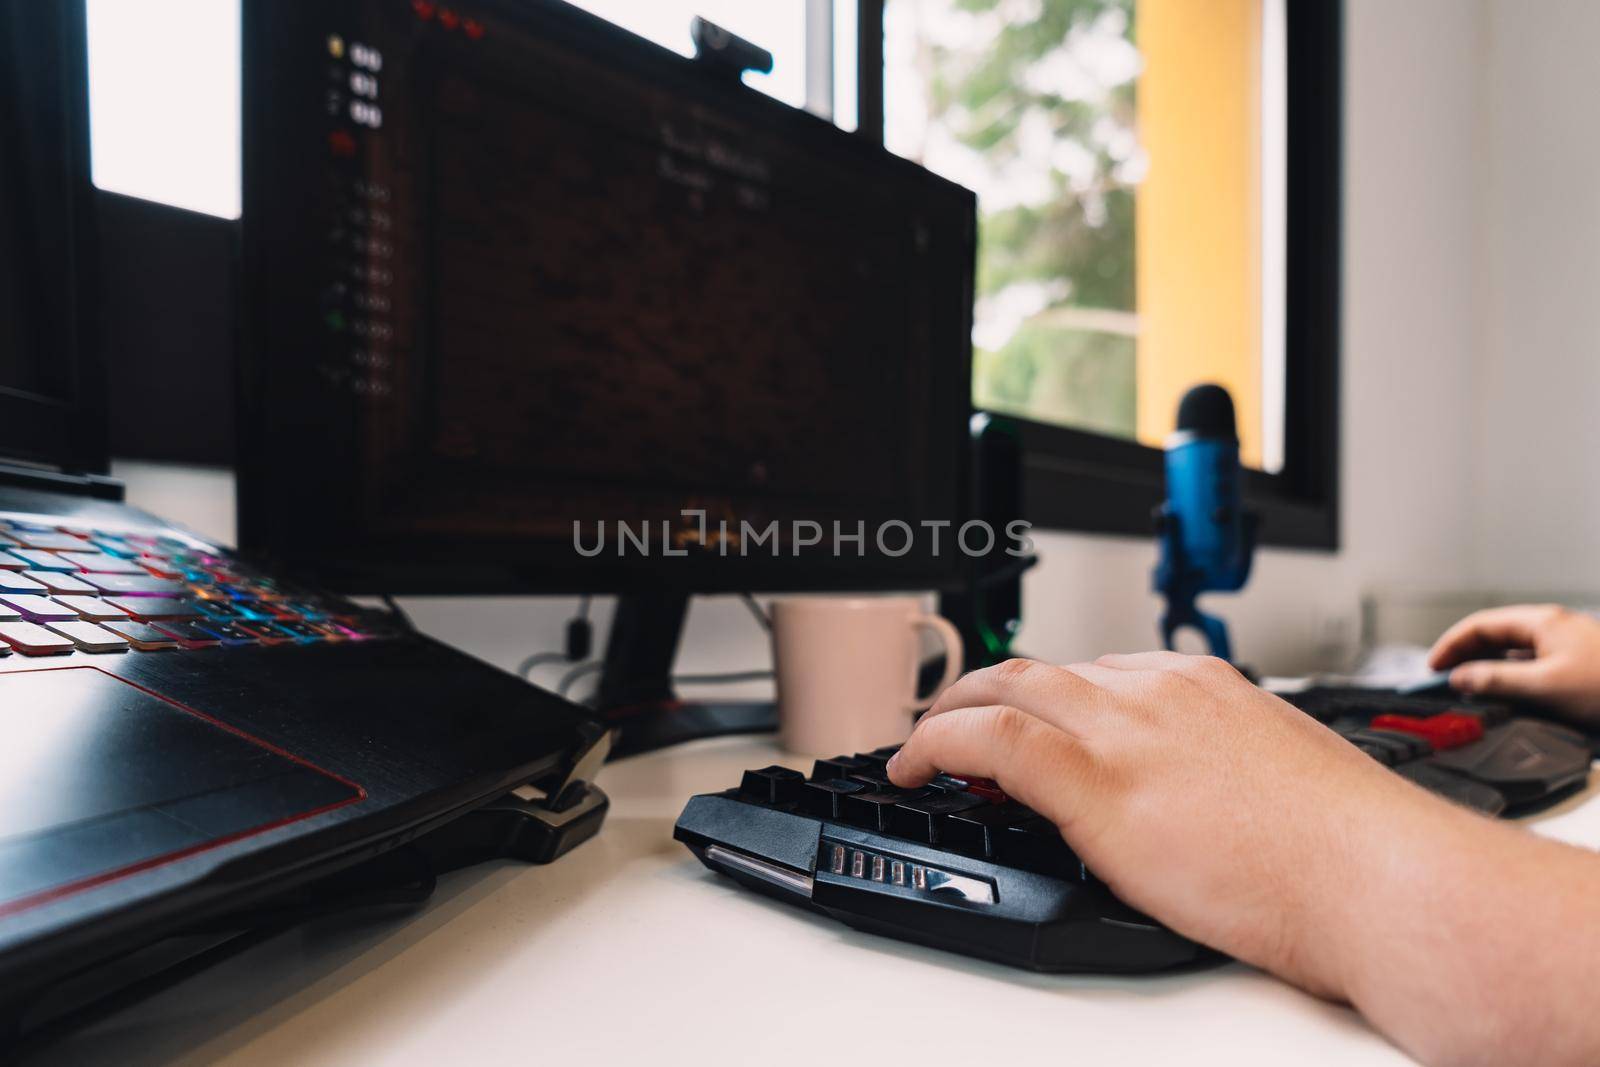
column 1470, row 942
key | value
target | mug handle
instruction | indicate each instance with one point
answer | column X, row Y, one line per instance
column 951, row 639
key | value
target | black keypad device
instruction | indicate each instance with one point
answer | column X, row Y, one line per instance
column 955, row 864
column 959, row 865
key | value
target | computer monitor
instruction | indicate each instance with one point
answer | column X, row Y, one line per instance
column 52, row 387
column 515, row 278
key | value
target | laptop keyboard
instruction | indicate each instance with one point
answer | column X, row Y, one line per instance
column 77, row 589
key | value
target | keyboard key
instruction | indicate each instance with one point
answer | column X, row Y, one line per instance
column 822, row 798
column 48, row 539
column 1446, row 730
column 146, row 608
column 920, row 820
column 44, row 561
column 135, row 585
column 1036, row 845
column 772, row 785
column 837, row 767
column 188, row 634
column 60, row 583
column 93, row 608
column 13, row 582
column 160, row 568
column 986, row 788
column 102, row 563
column 225, row 610
column 9, row 614
column 12, row 563
column 874, row 760
column 225, row 632
column 113, row 546
column 142, row 635
column 976, row 831
column 33, row 640
column 37, row 608
column 91, row 638
column 870, row 810
column 303, row 631
column 265, row 633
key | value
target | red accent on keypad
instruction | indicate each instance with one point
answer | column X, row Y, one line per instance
column 987, row 788
column 1448, row 729
column 448, row 18
column 424, row 9
column 472, row 28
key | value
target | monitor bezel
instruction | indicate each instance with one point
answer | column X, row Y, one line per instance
column 545, row 568
column 68, row 433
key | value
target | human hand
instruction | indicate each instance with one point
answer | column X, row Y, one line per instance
column 1198, row 798
column 1238, row 821
column 1562, row 670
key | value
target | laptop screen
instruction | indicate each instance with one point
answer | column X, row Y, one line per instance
column 51, row 396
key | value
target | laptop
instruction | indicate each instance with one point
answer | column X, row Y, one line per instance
column 183, row 733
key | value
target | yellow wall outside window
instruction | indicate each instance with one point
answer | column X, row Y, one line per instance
column 1198, row 217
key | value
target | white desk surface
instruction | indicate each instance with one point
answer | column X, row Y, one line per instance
column 628, row 951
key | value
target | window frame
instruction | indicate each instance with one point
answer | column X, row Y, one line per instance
column 1095, row 483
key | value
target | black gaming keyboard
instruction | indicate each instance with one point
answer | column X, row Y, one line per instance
column 958, row 865
column 1479, row 754
column 76, row 589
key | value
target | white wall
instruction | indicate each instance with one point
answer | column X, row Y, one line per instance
column 1413, row 205
column 1538, row 460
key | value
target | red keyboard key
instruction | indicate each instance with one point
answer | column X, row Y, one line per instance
column 1448, row 729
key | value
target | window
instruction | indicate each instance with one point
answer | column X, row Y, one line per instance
column 1142, row 197
column 164, row 81
column 164, row 101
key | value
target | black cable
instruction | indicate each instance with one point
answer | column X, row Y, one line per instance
column 755, row 609
column 577, row 674
column 726, row 678
column 539, row 659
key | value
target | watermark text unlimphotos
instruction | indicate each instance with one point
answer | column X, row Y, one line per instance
column 893, row 538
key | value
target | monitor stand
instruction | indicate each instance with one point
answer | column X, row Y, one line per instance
column 635, row 695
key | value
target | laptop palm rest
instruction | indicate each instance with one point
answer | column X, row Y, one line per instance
column 100, row 778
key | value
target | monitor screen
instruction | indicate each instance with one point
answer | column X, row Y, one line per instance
column 535, row 304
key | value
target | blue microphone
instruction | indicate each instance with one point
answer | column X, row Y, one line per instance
column 1207, row 537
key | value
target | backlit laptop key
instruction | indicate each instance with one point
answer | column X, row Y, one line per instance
column 60, row 583
column 33, row 640
column 160, row 568
column 102, row 563
column 37, row 607
column 114, row 546
column 94, row 608
column 142, row 635
column 13, row 582
column 135, row 585
column 303, row 631
column 44, row 561
column 48, row 539
column 146, row 608
column 188, row 634
column 91, row 638
column 227, row 633
column 265, row 632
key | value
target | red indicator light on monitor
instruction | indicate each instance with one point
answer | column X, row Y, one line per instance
column 423, row 9
column 472, row 28
column 448, row 18
column 340, row 143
